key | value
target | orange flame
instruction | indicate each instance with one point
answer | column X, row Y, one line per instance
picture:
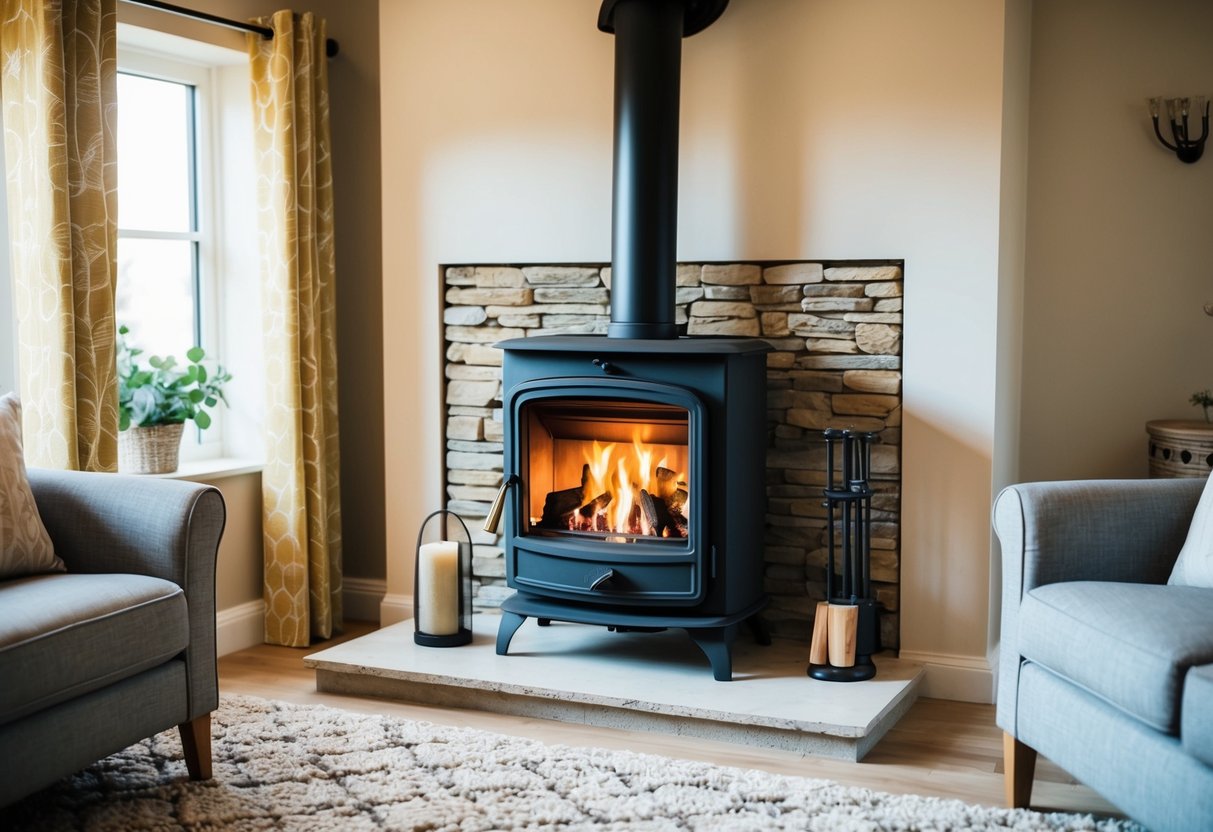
column 615, row 475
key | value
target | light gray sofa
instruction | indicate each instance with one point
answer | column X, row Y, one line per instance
column 1104, row 668
column 122, row 645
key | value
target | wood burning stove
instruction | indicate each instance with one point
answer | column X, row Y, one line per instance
column 634, row 463
column 637, row 496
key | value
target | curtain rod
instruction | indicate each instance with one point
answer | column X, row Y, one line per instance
column 330, row 45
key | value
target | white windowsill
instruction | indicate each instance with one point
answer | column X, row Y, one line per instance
column 205, row 470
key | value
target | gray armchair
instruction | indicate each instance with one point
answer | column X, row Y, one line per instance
column 122, row 645
column 1104, row 668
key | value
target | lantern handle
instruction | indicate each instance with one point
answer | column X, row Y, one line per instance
column 467, row 536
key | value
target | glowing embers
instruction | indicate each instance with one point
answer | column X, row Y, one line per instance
column 626, row 491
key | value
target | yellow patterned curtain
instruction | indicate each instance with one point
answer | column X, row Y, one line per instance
column 59, row 87
column 302, row 504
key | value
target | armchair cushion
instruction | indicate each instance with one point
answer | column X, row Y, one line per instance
column 1197, row 729
column 1194, row 566
column 62, row 636
column 25, row 547
column 1119, row 640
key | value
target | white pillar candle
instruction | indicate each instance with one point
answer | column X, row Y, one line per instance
column 438, row 588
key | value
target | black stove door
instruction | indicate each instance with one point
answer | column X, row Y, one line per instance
column 611, row 503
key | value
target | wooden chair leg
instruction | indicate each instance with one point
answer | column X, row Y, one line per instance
column 1019, row 763
column 196, row 743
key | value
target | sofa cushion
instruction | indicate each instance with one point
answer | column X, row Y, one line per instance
column 1194, row 566
column 1196, row 724
column 63, row 635
column 1131, row 644
column 25, row 547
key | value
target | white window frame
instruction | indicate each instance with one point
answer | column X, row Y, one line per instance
column 208, row 444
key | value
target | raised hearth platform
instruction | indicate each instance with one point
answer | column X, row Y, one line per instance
column 636, row 681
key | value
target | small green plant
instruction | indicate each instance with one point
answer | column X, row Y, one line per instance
column 1205, row 400
column 165, row 393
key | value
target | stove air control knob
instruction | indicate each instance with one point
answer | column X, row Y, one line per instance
column 606, row 366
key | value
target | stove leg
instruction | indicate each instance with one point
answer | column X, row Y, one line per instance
column 510, row 622
column 717, row 643
column 761, row 630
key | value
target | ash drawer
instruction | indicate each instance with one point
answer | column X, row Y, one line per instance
column 621, row 583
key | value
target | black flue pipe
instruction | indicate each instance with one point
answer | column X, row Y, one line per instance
column 644, row 214
column 644, row 217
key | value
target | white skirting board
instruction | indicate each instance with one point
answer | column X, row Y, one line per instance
column 394, row 609
column 363, row 598
column 239, row 627
column 959, row 678
column 243, row 626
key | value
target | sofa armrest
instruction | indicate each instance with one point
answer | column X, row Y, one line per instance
column 1088, row 530
column 1093, row 530
column 168, row 529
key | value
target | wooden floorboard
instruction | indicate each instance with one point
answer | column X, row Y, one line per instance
column 940, row 748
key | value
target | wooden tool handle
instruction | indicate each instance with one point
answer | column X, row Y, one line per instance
column 844, row 621
column 818, row 651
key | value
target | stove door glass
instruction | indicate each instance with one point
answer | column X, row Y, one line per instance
column 610, row 469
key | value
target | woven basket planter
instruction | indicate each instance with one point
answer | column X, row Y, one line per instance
column 149, row 450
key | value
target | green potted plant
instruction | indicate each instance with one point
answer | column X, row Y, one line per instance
column 154, row 403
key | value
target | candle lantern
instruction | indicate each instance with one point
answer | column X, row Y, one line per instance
column 442, row 582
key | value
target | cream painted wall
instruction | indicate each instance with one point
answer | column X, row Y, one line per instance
column 1118, row 239
column 237, row 576
column 823, row 129
column 1011, row 252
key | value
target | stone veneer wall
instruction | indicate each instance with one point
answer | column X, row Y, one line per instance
column 836, row 330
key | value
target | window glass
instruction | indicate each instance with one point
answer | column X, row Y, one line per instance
column 156, row 297
column 155, row 154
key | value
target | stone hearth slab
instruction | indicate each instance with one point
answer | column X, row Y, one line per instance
column 637, row 681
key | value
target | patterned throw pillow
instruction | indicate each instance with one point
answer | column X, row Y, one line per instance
column 25, row 547
column 1194, row 567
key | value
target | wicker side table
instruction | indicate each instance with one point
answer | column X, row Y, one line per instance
column 1180, row 448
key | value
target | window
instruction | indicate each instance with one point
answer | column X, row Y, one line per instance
column 159, row 239
column 167, row 287
column 187, row 247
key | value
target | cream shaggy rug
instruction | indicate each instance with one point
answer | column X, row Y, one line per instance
column 306, row 767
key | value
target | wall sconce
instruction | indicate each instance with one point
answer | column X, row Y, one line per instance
column 1186, row 148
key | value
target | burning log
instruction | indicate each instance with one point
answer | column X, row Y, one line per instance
column 559, row 506
column 679, row 499
column 649, row 506
column 667, row 483
column 595, row 505
column 661, row 510
column 661, row 516
column 678, row 525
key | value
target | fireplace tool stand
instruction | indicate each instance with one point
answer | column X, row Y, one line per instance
column 849, row 537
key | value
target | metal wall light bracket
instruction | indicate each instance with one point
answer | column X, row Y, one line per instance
column 1179, row 110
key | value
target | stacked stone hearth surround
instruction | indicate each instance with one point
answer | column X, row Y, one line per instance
column 836, row 332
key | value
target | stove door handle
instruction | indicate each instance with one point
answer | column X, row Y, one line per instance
column 494, row 519
column 602, row 580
